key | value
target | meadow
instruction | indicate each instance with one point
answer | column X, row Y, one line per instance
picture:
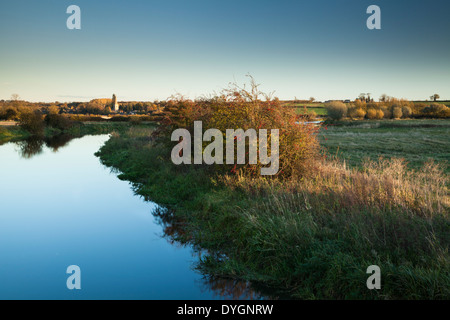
column 416, row 141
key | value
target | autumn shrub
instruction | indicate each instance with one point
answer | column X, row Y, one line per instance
column 437, row 110
column 397, row 112
column 355, row 112
column 379, row 114
column 360, row 113
column 58, row 121
column 387, row 114
column 242, row 108
column 337, row 110
column 9, row 113
column 406, row 111
column 371, row 114
column 32, row 121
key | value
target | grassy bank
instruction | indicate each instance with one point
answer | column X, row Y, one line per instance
column 309, row 238
column 12, row 133
column 79, row 129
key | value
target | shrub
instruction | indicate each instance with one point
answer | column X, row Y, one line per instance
column 337, row 110
column 360, row 113
column 239, row 108
column 351, row 111
column 397, row 112
column 437, row 110
column 379, row 114
column 355, row 112
column 387, row 112
column 32, row 121
column 10, row 114
column 135, row 120
column 58, row 121
column 371, row 114
column 406, row 111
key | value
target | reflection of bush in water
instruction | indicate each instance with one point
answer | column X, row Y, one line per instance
column 33, row 145
column 230, row 289
column 58, row 141
column 173, row 226
column 30, row 147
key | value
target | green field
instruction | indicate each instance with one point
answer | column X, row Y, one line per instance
column 320, row 111
column 414, row 140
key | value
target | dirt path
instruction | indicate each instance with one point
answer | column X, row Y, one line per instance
column 8, row 123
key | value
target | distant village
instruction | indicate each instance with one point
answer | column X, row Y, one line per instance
column 104, row 106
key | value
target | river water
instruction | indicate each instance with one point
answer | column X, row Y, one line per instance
column 59, row 206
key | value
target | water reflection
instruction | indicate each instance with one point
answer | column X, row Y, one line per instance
column 175, row 233
column 33, row 145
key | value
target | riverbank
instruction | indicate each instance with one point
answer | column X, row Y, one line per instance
column 312, row 238
column 12, row 132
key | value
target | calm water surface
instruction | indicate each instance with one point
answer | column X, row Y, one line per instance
column 60, row 206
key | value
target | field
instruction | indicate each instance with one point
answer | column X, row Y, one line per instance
column 414, row 140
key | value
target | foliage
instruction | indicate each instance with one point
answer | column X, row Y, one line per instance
column 336, row 110
column 32, row 121
column 239, row 108
column 58, row 121
column 397, row 112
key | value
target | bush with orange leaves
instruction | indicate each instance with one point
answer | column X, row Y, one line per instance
column 241, row 108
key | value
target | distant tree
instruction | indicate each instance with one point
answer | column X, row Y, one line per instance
column 435, row 97
column 384, row 97
column 312, row 99
column 15, row 97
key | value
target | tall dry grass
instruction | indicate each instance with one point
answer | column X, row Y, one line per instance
column 383, row 184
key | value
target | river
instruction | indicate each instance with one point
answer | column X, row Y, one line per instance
column 59, row 206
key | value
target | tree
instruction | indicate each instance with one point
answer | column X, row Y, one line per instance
column 15, row 97
column 435, row 97
column 312, row 99
column 384, row 97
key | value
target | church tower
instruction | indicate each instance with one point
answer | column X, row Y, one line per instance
column 115, row 105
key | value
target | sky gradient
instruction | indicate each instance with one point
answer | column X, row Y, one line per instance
column 147, row 50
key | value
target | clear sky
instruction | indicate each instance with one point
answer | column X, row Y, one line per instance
column 146, row 50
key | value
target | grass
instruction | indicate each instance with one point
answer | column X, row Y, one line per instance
column 309, row 238
column 320, row 111
column 12, row 133
column 416, row 141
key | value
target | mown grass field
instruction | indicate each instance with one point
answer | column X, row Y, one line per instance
column 414, row 140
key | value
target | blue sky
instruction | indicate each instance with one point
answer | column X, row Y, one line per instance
column 146, row 50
